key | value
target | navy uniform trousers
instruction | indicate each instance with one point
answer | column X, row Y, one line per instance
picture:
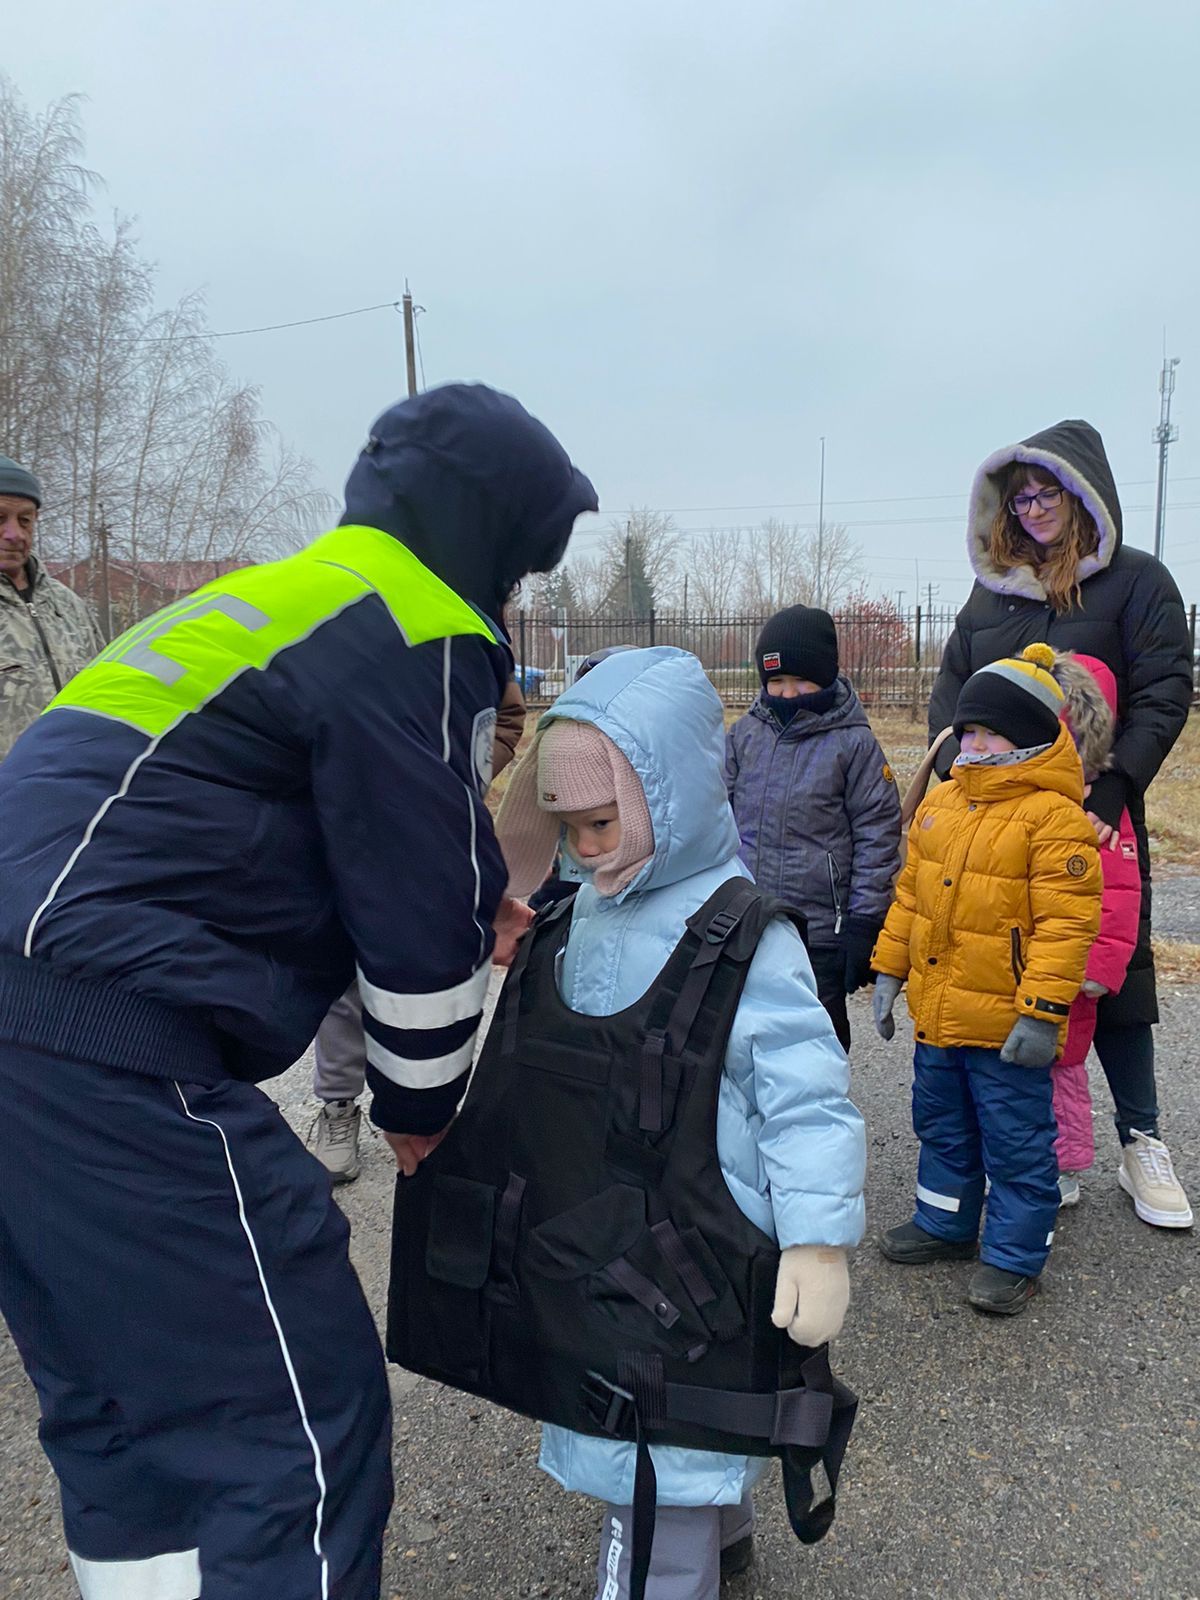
column 176, row 1277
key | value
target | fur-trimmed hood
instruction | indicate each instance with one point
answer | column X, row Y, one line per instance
column 1074, row 452
column 1090, row 691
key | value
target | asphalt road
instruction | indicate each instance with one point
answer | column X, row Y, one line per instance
column 1055, row 1454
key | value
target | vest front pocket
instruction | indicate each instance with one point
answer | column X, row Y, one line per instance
column 447, row 1329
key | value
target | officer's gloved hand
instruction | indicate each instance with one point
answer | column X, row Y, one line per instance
column 858, row 940
column 1031, row 1043
column 887, row 992
column 812, row 1291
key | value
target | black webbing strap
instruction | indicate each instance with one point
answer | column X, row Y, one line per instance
column 510, row 997
column 645, row 1516
column 818, row 1416
column 713, row 924
column 642, row 1378
column 811, row 1523
column 673, row 1248
column 503, row 1283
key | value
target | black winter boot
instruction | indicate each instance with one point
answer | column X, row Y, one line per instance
column 737, row 1557
column 913, row 1247
column 1002, row 1293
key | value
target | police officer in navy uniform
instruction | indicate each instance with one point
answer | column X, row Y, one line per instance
column 269, row 789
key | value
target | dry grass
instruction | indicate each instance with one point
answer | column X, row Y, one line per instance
column 1177, row 961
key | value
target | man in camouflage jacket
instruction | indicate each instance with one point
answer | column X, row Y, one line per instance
column 47, row 631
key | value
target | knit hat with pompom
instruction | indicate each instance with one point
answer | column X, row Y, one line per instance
column 1016, row 698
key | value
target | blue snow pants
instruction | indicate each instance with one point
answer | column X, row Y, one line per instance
column 213, row 1395
column 978, row 1116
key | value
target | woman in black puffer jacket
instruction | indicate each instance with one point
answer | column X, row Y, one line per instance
column 1044, row 538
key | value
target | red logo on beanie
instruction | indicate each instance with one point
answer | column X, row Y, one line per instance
column 771, row 661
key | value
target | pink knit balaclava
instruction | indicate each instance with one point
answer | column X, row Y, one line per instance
column 572, row 766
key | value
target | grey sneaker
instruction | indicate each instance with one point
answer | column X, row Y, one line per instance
column 1147, row 1176
column 1068, row 1189
column 337, row 1124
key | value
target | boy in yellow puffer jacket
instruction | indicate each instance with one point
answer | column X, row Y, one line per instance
column 995, row 912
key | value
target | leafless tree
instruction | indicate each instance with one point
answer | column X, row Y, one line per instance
column 830, row 565
column 716, row 568
column 641, row 552
column 124, row 411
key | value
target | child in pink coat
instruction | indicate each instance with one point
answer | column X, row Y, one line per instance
column 1091, row 705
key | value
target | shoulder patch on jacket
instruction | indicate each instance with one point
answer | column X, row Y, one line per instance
column 1076, row 866
column 888, row 775
column 483, row 746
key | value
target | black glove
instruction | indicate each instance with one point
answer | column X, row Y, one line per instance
column 858, row 940
column 1108, row 798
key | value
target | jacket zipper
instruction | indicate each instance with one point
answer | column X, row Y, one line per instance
column 834, row 875
column 45, row 647
column 1018, row 965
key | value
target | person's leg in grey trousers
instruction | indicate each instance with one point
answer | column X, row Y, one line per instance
column 338, row 1079
column 685, row 1563
column 341, row 1050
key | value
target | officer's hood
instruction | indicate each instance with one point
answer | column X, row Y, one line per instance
column 475, row 487
column 666, row 718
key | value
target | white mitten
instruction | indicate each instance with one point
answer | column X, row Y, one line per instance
column 812, row 1292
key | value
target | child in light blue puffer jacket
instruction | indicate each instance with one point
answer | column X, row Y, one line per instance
column 627, row 771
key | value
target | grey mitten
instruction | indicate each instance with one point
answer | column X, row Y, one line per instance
column 1031, row 1043
column 887, row 991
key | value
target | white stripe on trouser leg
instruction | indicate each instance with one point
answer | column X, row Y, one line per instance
column 170, row 1577
column 940, row 1202
column 612, row 1587
column 318, row 1465
column 1050, row 1238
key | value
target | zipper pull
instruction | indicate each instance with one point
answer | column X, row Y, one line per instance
column 837, row 923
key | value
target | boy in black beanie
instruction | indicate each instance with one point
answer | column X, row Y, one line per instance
column 815, row 801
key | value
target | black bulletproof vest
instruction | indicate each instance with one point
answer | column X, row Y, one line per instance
column 571, row 1250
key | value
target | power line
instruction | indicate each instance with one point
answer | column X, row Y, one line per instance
column 879, row 500
column 238, row 333
column 876, row 522
column 270, row 327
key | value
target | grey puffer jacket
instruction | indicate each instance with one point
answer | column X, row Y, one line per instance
column 818, row 812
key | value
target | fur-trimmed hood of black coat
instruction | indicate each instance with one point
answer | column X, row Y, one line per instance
column 1074, row 452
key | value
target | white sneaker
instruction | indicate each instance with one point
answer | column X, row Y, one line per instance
column 1147, row 1176
column 1068, row 1189
column 337, row 1124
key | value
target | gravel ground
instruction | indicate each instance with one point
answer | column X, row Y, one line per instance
column 1056, row 1454
column 1177, row 906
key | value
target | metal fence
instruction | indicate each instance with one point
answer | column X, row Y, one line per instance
column 892, row 657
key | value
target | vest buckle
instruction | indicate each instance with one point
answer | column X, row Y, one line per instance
column 610, row 1407
column 721, row 926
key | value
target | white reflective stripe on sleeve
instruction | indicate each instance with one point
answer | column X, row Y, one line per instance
column 942, row 1202
column 410, row 1074
column 439, row 1010
column 1050, row 1238
column 169, row 1577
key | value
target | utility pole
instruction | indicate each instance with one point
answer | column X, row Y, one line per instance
column 628, row 572
column 821, row 531
column 1165, row 436
column 929, row 588
column 410, row 353
column 105, row 590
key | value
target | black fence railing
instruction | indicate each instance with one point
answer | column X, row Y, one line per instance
column 892, row 657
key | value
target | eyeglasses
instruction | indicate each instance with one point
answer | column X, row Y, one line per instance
column 1020, row 504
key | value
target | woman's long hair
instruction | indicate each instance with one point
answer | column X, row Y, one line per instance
column 1057, row 565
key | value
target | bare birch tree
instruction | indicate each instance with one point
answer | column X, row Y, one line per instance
column 124, row 411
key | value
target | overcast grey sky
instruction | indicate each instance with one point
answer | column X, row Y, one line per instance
column 691, row 237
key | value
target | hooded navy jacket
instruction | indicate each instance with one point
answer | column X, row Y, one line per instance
column 279, row 780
